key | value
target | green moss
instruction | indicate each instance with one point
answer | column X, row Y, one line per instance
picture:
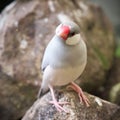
column 117, row 51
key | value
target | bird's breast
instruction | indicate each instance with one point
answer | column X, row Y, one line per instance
column 62, row 76
column 62, row 55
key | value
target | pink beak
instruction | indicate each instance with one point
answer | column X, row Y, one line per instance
column 64, row 31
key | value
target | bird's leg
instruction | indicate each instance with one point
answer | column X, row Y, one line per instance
column 57, row 104
column 81, row 95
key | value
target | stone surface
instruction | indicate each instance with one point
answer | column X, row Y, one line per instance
column 114, row 79
column 98, row 109
column 115, row 93
column 15, row 97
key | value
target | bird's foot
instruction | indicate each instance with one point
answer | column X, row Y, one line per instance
column 58, row 105
column 81, row 95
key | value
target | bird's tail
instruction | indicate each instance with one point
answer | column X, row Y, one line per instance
column 42, row 92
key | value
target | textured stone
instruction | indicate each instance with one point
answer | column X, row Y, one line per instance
column 98, row 109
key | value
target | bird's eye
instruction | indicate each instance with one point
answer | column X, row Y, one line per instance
column 73, row 33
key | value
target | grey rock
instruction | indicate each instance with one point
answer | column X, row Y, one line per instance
column 98, row 109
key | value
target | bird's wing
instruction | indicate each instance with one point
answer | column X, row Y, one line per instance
column 48, row 54
column 47, row 57
column 45, row 61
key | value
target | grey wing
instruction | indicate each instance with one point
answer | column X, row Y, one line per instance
column 48, row 55
column 45, row 62
column 43, row 89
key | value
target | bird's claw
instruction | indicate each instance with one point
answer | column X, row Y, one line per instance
column 84, row 99
column 57, row 105
column 81, row 95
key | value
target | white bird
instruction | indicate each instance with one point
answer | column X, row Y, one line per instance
column 63, row 62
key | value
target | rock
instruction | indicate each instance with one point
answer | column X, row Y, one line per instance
column 115, row 93
column 26, row 27
column 114, row 78
column 98, row 109
column 112, row 87
column 114, row 82
column 111, row 91
column 16, row 97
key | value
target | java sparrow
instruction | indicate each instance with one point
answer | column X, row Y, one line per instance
column 63, row 62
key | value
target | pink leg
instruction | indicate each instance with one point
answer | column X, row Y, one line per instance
column 81, row 95
column 57, row 104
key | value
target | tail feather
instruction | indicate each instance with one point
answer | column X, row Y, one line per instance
column 42, row 92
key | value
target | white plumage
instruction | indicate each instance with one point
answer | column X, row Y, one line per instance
column 64, row 59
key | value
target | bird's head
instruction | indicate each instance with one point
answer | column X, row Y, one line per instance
column 69, row 32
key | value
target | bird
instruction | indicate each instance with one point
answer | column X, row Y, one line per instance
column 63, row 62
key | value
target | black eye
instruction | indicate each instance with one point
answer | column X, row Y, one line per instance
column 73, row 33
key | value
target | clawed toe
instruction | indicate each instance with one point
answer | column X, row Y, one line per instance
column 57, row 105
column 84, row 99
column 81, row 95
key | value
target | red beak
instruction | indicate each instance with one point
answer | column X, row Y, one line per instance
column 64, row 31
